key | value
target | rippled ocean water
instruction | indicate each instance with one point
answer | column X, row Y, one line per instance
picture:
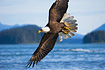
column 62, row 57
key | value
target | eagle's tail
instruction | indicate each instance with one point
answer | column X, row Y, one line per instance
column 69, row 28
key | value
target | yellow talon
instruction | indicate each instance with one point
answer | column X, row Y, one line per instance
column 66, row 28
column 65, row 32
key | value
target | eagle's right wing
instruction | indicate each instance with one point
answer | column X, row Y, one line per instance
column 46, row 45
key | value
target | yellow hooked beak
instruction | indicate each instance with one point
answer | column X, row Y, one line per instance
column 39, row 31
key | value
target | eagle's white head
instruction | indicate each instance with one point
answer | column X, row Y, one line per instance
column 45, row 29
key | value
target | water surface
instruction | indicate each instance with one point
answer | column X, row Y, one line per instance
column 62, row 57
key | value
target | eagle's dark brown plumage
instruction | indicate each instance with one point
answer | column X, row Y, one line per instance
column 47, row 43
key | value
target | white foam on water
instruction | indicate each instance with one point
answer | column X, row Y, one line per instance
column 65, row 50
column 82, row 50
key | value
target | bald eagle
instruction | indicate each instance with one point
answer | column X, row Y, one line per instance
column 59, row 24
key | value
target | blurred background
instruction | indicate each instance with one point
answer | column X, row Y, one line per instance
column 90, row 15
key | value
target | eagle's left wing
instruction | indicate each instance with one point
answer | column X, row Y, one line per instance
column 46, row 45
column 57, row 10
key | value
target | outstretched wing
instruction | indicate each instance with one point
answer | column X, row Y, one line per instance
column 46, row 45
column 57, row 10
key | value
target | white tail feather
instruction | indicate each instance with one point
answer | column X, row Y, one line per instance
column 71, row 24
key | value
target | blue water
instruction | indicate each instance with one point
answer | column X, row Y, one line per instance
column 62, row 57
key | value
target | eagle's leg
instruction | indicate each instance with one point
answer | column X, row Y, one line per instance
column 65, row 32
column 66, row 28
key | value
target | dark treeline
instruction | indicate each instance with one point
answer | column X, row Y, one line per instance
column 95, row 37
column 19, row 35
